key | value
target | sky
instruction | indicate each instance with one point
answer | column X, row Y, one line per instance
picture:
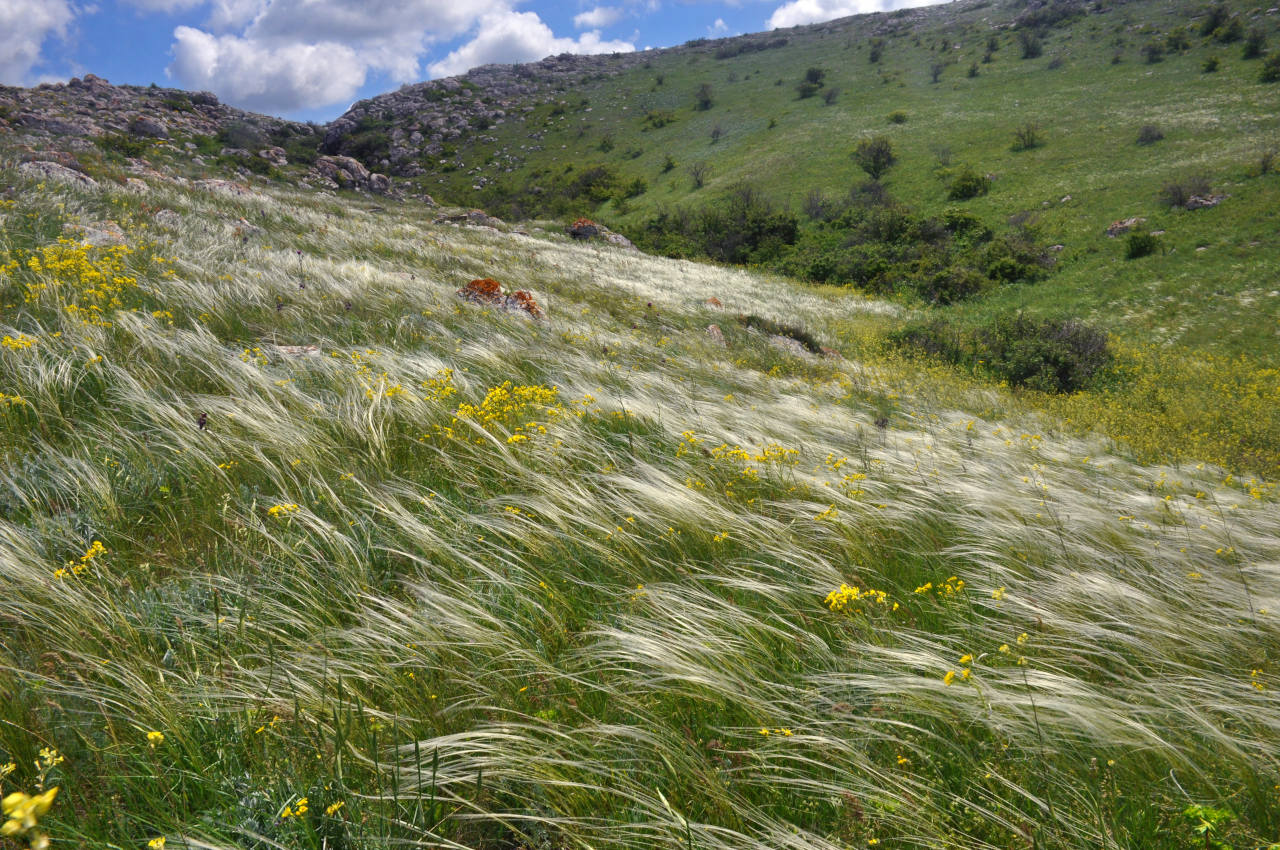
column 311, row 59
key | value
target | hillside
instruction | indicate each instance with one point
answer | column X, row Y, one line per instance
column 332, row 518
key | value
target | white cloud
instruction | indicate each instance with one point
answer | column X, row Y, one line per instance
column 718, row 28
column 519, row 37
column 800, row 12
column 597, row 18
column 263, row 76
column 24, row 26
column 164, row 5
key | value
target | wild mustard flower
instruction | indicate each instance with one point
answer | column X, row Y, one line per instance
column 156, row 843
column 23, row 812
column 283, row 510
column 298, row 809
column 155, row 739
column 332, row 808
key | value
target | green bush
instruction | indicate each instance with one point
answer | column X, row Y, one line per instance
column 1210, row 65
column 1270, row 72
column 1152, row 52
column 1149, row 134
column 1027, row 136
column 897, row 116
column 968, row 184
column 1255, row 44
column 123, row 144
column 1048, row 355
column 1140, row 244
column 874, row 156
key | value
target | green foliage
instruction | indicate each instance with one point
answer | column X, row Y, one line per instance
column 242, row 134
column 178, row 103
column 1177, row 193
column 1047, row 355
column 784, row 329
column 1149, row 134
column 874, row 156
column 742, row 227
column 1140, row 244
column 1030, row 44
column 250, row 162
column 702, row 99
column 966, row 184
column 668, row 164
column 1027, row 136
column 1177, row 40
column 656, row 119
column 1270, row 72
column 123, row 144
column 898, row 116
column 1255, row 44
column 1152, row 52
column 1210, row 64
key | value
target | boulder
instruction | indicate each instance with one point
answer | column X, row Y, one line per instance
column 1124, row 225
column 347, row 173
column 97, row 233
column 53, row 171
column 488, row 292
column 275, row 156
column 148, row 127
column 584, row 229
column 226, row 187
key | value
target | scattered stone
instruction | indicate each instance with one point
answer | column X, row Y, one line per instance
column 133, row 184
column 717, row 335
column 475, row 218
column 171, row 219
column 298, row 350
column 1056, row 248
column 98, row 233
column 226, row 187
column 1124, row 225
column 584, row 229
column 343, row 172
column 42, row 170
column 715, row 302
column 488, row 292
column 1200, row 202
column 149, row 127
column 275, row 156
column 787, row 344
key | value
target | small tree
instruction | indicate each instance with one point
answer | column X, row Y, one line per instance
column 829, row 96
column 1271, row 69
column 1149, row 134
column 1030, row 44
column 935, row 71
column 716, row 132
column 703, row 98
column 1153, row 52
column 815, row 76
column 698, row 172
column 1027, row 136
column 874, row 156
column 1255, row 44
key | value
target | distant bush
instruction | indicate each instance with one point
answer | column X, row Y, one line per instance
column 874, row 156
column 1177, row 40
column 830, row 95
column 703, row 100
column 606, row 143
column 935, row 71
column 1215, row 16
column 1266, row 161
column 1149, row 134
column 1231, row 31
column 776, row 328
column 973, row 70
column 1270, row 72
column 968, row 184
column 897, row 116
column 1210, row 65
column 668, row 164
column 1030, row 44
column 123, row 144
column 1027, row 136
column 877, row 50
column 178, row 103
column 698, row 172
column 1177, row 193
column 1255, row 44
column 1048, row 355
column 301, row 149
column 249, row 162
column 716, row 133
column 242, row 134
column 657, row 119
column 1140, row 244
column 1152, row 52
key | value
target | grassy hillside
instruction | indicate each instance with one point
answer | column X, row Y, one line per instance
column 300, row 549
column 1089, row 92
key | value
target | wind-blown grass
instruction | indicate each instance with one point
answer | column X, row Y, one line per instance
column 594, row 612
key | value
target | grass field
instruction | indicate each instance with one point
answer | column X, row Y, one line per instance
column 455, row 577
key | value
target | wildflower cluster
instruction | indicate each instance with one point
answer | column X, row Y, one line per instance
column 85, row 281
column 78, row 567
column 298, row 809
column 23, row 811
column 951, row 587
column 283, row 510
column 845, row 598
column 513, row 406
column 18, row 343
column 439, row 387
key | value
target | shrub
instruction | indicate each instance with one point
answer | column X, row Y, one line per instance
column 702, row 100
column 606, row 143
column 1176, row 193
column 1149, row 134
column 1140, row 244
column 1177, row 40
column 698, row 172
column 935, row 71
column 1266, row 161
column 897, row 116
column 242, row 134
column 1027, row 136
column 1152, row 52
column 968, row 184
column 1215, row 16
column 1210, row 65
column 1270, row 72
column 806, row 89
column 123, row 144
column 657, row 119
column 1049, row 355
column 1229, row 32
column 1255, row 44
column 814, row 76
column 1030, row 44
column 973, row 70
column 775, row 328
column 874, row 156
column 178, row 103
column 668, row 164
column 716, row 132
column 829, row 96
column 877, row 50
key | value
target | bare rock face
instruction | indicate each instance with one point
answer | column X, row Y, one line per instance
column 98, row 233
column 274, row 155
column 227, row 187
column 42, row 170
column 343, row 172
column 149, row 127
column 1124, row 225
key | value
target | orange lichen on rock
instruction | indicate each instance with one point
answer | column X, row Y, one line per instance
column 488, row 292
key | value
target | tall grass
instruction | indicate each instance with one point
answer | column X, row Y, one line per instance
column 595, row 612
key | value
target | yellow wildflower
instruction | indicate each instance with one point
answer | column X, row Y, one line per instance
column 156, row 843
column 25, row 810
column 155, row 739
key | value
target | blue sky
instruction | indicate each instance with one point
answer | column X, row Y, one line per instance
column 310, row 59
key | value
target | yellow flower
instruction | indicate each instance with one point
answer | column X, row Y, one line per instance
column 156, row 843
column 332, row 808
column 949, row 677
column 282, row 510
column 155, row 739
column 24, row 810
column 966, row 658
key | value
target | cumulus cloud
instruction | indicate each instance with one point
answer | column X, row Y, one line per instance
column 519, row 37
column 164, row 5
column 718, row 28
column 597, row 18
column 266, row 77
column 24, row 27
column 800, row 12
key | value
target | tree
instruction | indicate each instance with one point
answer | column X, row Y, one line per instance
column 874, row 156
column 698, row 172
column 704, row 101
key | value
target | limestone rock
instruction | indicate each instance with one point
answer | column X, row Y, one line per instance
column 42, row 170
